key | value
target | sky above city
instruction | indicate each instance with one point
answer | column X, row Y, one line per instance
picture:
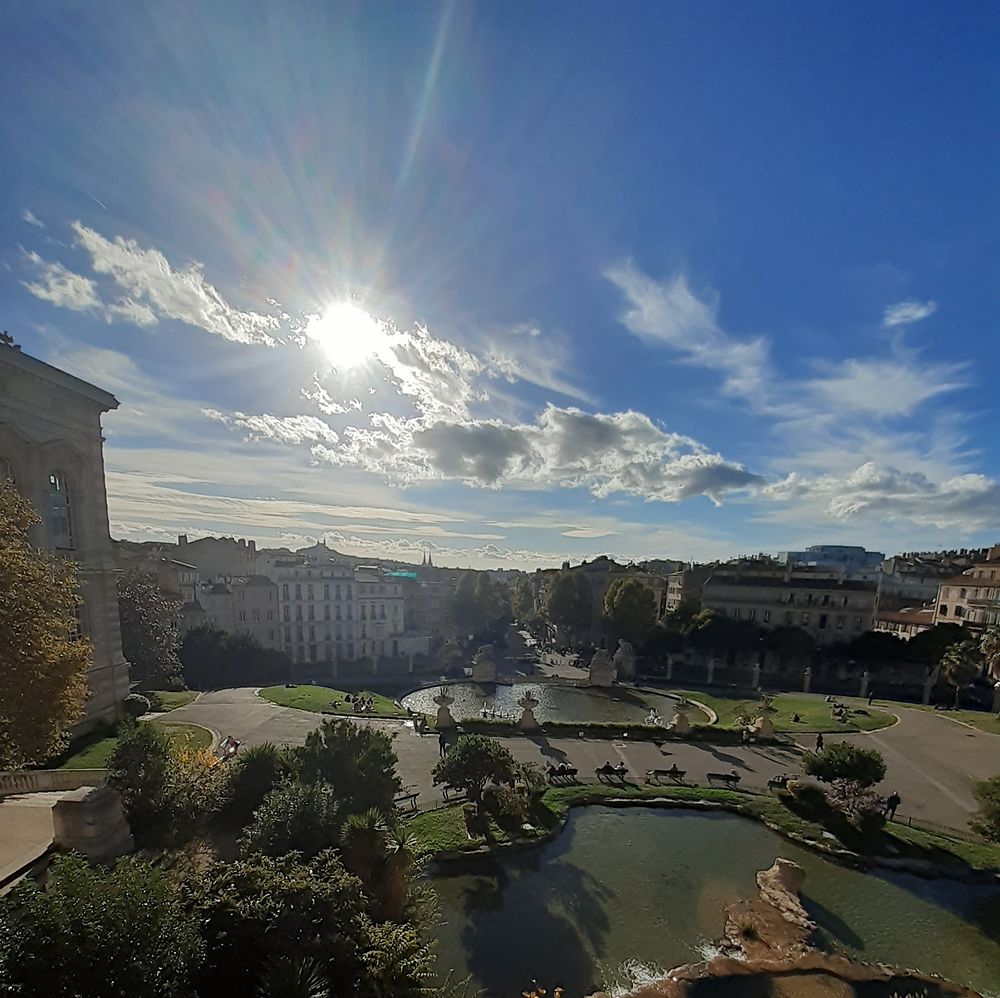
column 518, row 282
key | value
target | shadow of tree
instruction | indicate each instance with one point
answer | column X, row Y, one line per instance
column 832, row 924
column 736, row 761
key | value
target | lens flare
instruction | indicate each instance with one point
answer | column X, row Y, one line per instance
column 348, row 335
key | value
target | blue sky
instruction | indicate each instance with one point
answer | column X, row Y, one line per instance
column 518, row 282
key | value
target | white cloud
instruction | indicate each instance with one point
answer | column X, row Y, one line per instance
column 152, row 288
column 905, row 312
column 670, row 313
column 325, row 402
column 293, row 430
column 588, row 532
column 523, row 353
column 29, row 216
column 61, row 287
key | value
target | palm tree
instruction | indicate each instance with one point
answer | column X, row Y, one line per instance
column 363, row 843
column 294, row 978
column 989, row 648
column 961, row 665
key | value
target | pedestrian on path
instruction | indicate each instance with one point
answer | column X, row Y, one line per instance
column 442, row 743
column 819, row 742
column 891, row 803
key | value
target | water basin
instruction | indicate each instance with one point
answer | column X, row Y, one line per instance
column 555, row 702
column 622, row 895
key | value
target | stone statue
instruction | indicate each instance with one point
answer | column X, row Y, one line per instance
column 484, row 665
column 602, row 669
column 681, row 724
column 528, row 721
column 764, row 726
column 625, row 660
column 444, row 700
column 755, row 682
column 807, row 679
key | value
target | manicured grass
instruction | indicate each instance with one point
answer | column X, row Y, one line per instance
column 320, row 700
column 980, row 719
column 444, row 829
column 814, row 712
column 95, row 754
column 162, row 701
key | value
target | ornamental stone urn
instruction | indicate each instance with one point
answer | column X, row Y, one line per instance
column 764, row 726
column 807, row 679
column 528, row 721
column 444, row 700
column 624, row 660
column 484, row 665
column 602, row 669
column 681, row 724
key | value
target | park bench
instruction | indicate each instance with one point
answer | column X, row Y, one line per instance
column 779, row 782
column 610, row 772
column 658, row 775
column 554, row 773
column 731, row 780
column 452, row 793
column 407, row 801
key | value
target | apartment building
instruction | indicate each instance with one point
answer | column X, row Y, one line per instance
column 244, row 604
column 972, row 598
column 684, row 585
column 826, row 605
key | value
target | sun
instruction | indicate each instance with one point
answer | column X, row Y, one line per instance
column 347, row 333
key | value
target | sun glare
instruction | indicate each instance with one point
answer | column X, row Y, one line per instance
column 348, row 334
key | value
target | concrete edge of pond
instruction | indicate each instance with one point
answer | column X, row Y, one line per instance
column 920, row 868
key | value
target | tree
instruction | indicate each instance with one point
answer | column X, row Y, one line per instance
column 843, row 761
column 877, row 646
column 790, row 645
column 480, row 607
column 989, row 648
column 630, row 609
column 960, row 666
column 357, row 762
column 44, row 667
column 139, row 769
column 213, row 659
column 253, row 774
column 149, row 627
column 473, row 762
column 294, row 818
column 94, row 933
column 986, row 820
column 568, row 603
column 930, row 645
column 522, row 599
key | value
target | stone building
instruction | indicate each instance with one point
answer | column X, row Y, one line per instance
column 218, row 557
column 244, row 604
column 826, row 605
column 51, row 447
column 684, row 586
column 905, row 623
column 972, row 598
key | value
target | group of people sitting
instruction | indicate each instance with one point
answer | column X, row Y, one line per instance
column 563, row 770
column 362, row 704
column 621, row 770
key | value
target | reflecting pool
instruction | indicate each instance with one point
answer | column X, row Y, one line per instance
column 625, row 893
column 555, row 702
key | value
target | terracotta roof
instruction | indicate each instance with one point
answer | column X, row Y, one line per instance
column 906, row 616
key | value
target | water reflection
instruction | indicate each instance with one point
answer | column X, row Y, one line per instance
column 640, row 888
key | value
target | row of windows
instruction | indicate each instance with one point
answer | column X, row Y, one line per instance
column 310, row 652
column 959, row 610
column 373, row 589
column 60, row 514
column 804, row 618
column 243, row 595
column 977, row 593
column 256, row 616
column 812, row 600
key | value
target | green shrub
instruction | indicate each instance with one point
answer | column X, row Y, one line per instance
column 843, row 761
column 507, row 805
column 251, row 777
column 986, row 820
column 294, row 818
column 135, row 705
column 94, row 933
column 139, row 769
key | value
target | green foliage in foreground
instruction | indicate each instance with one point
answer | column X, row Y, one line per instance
column 987, row 818
column 843, row 761
column 97, row 934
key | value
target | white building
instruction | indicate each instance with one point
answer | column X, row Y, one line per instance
column 52, row 448
column 853, row 561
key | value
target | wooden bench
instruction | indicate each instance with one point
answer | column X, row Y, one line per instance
column 452, row 793
column 731, row 780
column 611, row 772
column 554, row 773
column 673, row 773
column 407, row 802
column 778, row 782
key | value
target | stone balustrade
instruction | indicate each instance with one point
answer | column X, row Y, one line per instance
column 49, row 780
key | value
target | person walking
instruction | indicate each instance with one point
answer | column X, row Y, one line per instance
column 442, row 744
column 819, row 742
column 891, row 803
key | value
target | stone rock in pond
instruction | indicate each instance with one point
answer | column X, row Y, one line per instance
column 602, row 669
column 484, row 665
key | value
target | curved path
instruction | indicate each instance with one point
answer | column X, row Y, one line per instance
column 931, row 761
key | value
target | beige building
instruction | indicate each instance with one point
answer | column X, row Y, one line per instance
column 972, row 598
column 244, row 604
column 51, row 447
column 684, row 586
column 218, row 557
column 905, row 623
column 825, row 605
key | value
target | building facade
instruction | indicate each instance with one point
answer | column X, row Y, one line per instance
column 218, row 557
column 685, row 585
column 853, row 561
column 52, row 448
column 244, row 604
column 904, row 623
column 827, row 606
column 973, row 598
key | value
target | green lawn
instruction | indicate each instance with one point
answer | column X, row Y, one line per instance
column 320, row 699
column 95, row 754
column 161, row 701
column 814, row 711
column 444, row 828
column 981, row 719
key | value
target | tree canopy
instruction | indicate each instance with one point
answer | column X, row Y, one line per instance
column 44, row 667
column 568, row 602
column 481, row 607
column 630, row 609
column 961, row 665
column 213, row 659
column 986, row 820
column 928, row 646
column 473, row 762
column 522, row 599
column 843, row 761
column 149, row 627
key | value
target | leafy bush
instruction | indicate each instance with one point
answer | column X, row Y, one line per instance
column 251, row 777
column 986, row 820
column 294, row 818
column 507, row 805
column 858, row 803
column 473, row 762
column 843, row 761
column 357, row 762
column 135, row 705
column 94, row 933
column 139, row 769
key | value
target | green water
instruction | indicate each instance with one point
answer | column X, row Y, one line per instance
column 555, row 702
column 623, row 894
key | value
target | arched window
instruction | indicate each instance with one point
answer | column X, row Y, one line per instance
column 60, row 514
